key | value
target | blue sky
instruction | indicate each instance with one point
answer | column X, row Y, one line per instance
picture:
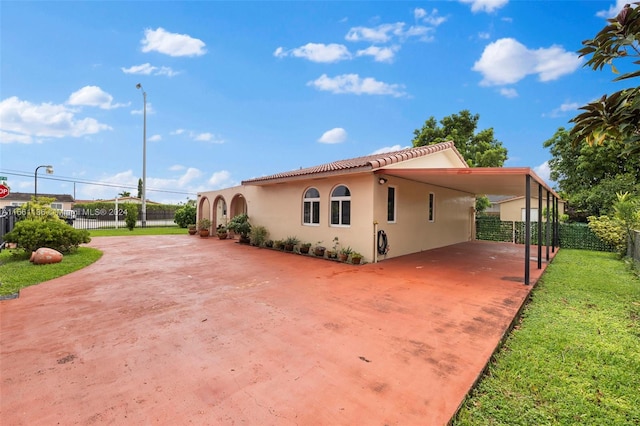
column 237, row 90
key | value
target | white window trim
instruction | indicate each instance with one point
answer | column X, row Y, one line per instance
column 311, row 200
column 395, row 204
column 340, row 199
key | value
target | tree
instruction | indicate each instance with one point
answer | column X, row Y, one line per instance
column 139, row 188
column 478, row 149
column 124, row 194
column 616, row 116
column 589, row 176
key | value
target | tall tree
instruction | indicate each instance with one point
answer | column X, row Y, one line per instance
column 124, row 194
column 589, row 176
column 615, row 116
column 139, row 188
column 480, row 149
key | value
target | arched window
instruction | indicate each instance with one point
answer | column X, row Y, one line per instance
column 311, row 207
column 341, row 206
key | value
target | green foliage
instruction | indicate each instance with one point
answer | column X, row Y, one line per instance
column 140, row 188
column 204, row 223
column 291, row 241
column 589, row 176
column 30, row 235
column 185, row 215
column 482, row 203
column 258, row 235
column 610, row 231
column 38, row 209
column 616, row 116
column 124, row 194
column 131, row 216
column 480, row 149
column 618, row 230
column 240, row 225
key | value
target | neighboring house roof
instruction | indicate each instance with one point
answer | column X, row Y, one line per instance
column 26, row 196
column 359, row 164
column 120, row 200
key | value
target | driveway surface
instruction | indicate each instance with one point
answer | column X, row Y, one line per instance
column 186, row 330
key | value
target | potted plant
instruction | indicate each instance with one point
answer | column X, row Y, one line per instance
column 222, row 233
column 279, row 244
column 333, row 253
column 268, row 243
column 304, row 248
column 203, row 227
column 290, row 242
column 258, row 235
column 344, row 253
column 192, row 229
column 240, row 225
column 356, row 258
column 318, row 250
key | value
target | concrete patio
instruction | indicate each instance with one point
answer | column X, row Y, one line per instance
column 186, row 330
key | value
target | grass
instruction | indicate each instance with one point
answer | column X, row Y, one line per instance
column 574, row 359
column 17, row 272
column 124, row 232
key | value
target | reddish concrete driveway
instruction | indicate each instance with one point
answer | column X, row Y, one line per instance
column 184, row 330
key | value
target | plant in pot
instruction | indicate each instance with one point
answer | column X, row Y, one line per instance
column 319, row 250
column 333, row 252
column 222, row 233
column 344, row 253
column 356, row 258
column 268, row 243
column 258, row 235
column 240, row 225
column 279, row 244
column 203, row 227
column 192, row 229
column 304, row 248
column 290, row 242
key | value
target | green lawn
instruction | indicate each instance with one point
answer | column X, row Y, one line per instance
column 17, row 272
column 574, row 359
column 124, row 232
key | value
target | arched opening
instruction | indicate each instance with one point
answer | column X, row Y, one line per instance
column 220, row 212
column 238, row 206
column 204, row 208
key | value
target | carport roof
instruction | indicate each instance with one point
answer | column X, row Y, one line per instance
column 475, row 180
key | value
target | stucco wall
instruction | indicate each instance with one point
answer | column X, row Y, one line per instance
column 511, row 211
column 279, row 209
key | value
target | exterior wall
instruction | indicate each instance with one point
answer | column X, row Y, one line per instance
column 511, row 210
column 279, row 209
column 5, row 203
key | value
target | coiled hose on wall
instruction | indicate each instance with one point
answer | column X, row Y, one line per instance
column 383, row 243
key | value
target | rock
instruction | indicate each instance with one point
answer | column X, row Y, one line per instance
column 45, row 255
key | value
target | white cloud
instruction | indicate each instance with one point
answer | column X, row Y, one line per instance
column 335, row 135
column 140, row 111
column 24, row 122
column 386, row 149
column 206, row 137
column 177, row 132
column 483, row 35
column 544, row 171
column 386, row 32
column 485, row 5
column 380, row 54
column 563, row 108
column 148, row 69
column 509, row 92
column 221, row 179
column 154, row 138
column 430, row 18
column 172, row 44
column 93, row 96
column 507, row 61
column 176, row 167
column 419, row 13
column 352, row 83
column 317, row 52
column 613, row 11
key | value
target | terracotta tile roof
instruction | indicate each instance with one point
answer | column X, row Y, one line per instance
column 369, row 162
column 26, row 196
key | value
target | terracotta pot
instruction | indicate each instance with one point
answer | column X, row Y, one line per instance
column 288, row 247
column 304, row 249
column 356, row 260
column 45, row 255
column 343, row 257
column 204, row 233
column 193, row 231
column 318, row 252
column 222, row 235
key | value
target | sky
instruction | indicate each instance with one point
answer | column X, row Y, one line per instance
column 237, row 90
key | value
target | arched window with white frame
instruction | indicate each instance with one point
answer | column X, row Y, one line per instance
column 341, row 206
column 311, row 207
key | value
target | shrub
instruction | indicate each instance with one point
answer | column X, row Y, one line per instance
column 38, row 209
column 258, row 235
column 609, row 230
column 240, row 225
column 30, row 235
column 185, row 215
column 131, row 217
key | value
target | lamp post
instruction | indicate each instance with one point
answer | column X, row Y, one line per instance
column 144, row 157
column 35, row 183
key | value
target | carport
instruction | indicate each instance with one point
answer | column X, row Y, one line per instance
column 514, row 181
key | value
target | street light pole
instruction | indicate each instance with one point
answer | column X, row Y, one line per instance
column 35, row 178
column 144, row 157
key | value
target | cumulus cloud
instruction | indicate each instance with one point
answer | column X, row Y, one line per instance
column 613, row 11
column 93, row 96
column 25, row 122
column 335, row 135
column 544, row 171
column 507, row 61
column 354, row 84
column 380, row 54
column 508, row 92
column 564, row 108
column 155, row 138
column 221, row 179
column 316, row 52
column 148, row 69
column 485, row 5
column 172, row 44
column 198, row 136
column 386, row 149
column 384, row 33
column 430, row 18
column 140, row 111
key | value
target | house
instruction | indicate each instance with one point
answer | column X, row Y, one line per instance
column 132, row 200
column 383, row 205
column 60, row 201
column 512, row 208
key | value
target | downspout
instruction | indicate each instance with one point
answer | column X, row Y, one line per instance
column 375, row 241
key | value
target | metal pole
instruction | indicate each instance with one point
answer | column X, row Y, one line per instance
column 539, row 226
column 35, row 177
column 527, row 231
column 144, row 157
